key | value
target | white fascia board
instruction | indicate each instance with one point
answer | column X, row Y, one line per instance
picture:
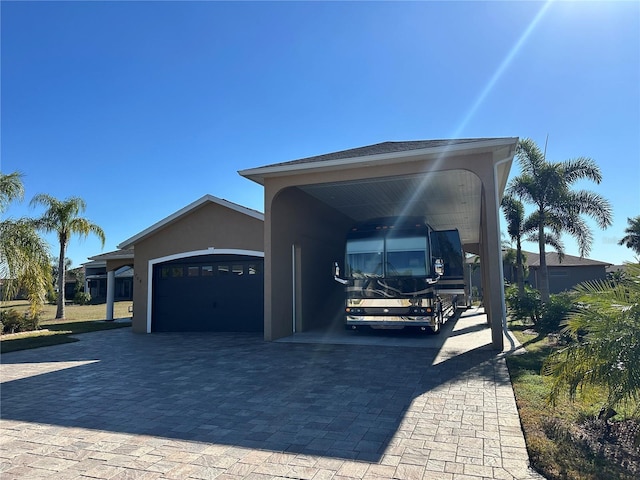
column 95, row 264
column 258, row 174
column 183, row 211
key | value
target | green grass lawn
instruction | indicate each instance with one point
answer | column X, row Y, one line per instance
column 551, row 449
column 80, row 319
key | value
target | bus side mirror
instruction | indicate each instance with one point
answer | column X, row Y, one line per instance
column 438, row 267
column 336, row 274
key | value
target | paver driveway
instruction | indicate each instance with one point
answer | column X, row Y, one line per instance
column 117, row 405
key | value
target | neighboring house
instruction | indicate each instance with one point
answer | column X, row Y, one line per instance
column 71, row 280
column 96, row 278
column 69, row 291
column 565, row 274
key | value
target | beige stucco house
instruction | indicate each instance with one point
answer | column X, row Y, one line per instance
column 310, row 204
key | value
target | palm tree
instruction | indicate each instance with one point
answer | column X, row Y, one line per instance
column 11, row 189
column 62, row 217
column 514, row 214
column 558, row 209
column 632, row 238
column 24, row 255
column 605, row 327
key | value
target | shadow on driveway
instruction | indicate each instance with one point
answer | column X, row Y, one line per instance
column 342, row 401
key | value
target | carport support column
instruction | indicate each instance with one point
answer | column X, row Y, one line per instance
column 492, row 263
column 111, row 284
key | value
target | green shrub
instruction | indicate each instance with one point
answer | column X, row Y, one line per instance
column 82, row 298
column 13, row 321
column 555, row 311
column 526, row 308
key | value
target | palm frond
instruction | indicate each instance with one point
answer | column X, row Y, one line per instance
column 581, row 168
column 11, row 189
column 605, row 327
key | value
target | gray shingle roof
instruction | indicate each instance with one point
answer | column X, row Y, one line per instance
column 553, row 260
column 382, row 148
column 115, row 255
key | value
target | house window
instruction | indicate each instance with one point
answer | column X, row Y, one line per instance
column 223, row 269
column 177, row 271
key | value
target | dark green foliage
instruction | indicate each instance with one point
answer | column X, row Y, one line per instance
column 632, row 238
column 605, row 348
column 82, row 298
column 555, row 311
column 526, row 307
column 13, row 321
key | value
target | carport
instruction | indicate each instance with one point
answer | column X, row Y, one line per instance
column 311, row 203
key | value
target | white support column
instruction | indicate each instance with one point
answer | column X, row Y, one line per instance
column 111, row 284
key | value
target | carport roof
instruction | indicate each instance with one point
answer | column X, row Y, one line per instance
column 382, row 153
column 453, row 200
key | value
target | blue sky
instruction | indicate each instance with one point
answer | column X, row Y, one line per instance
column 141, row 108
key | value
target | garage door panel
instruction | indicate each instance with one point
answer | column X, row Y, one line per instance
column 209, row 294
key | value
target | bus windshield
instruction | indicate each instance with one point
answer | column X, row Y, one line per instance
column 406, row 256
column 365, row 257
column 394, row 256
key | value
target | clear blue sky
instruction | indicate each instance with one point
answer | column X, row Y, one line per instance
column 141, row 108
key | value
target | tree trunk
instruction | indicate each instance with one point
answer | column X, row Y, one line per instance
column 519, row 266
column 544, row 273
column 60, row 313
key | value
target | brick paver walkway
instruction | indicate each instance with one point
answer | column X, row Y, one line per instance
column 117, row 405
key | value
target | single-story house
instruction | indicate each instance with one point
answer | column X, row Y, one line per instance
column 565, row 273
column 96, row 278
column 222, row 259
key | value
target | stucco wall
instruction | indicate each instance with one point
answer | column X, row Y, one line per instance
column 318, row 234
column 565, row 278
column 210, row 225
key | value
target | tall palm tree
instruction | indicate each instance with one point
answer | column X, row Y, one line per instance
column 514, row 214
column 24, row 255
column 558, row 209
column 63, row 218
column 632, row 238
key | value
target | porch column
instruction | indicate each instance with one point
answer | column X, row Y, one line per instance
column 494, row 274
column 111, row 283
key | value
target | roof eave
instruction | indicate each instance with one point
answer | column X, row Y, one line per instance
column 260, row 173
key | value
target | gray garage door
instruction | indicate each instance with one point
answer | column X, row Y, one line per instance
column 209, row 293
